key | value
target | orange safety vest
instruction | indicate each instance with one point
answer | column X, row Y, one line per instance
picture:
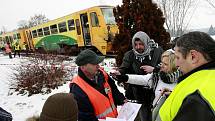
column 103, row 106
column 7, row 48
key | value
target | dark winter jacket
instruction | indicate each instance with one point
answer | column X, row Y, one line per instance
column 86, row 112
column 131, row 65
column 4, row 115
column 194, row 107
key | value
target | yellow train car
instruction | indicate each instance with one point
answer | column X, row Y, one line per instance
column 13, row 37
column 1, row 42
column 90, row 28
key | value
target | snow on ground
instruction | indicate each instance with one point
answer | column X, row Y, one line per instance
column 22, row 107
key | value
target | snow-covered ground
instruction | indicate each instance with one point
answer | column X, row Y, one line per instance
column 22, row 107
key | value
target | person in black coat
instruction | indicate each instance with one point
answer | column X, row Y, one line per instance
column 141, row 60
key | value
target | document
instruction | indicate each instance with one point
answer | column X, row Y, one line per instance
column 129, row 111
column 114, row 119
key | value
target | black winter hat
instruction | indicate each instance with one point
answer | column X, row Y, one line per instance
column 88, row 56
column 60, row 107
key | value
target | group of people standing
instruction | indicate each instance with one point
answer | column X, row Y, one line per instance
column 16, row 49
column 184, row 75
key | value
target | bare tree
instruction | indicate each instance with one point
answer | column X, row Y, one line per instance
column 178, row 14
column 3, row 29
column 211, row 2
column 23, row 24
column 37, row 19
column 211, row 30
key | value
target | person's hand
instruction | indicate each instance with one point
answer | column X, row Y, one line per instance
column 125, row 101
column 147, row 69
column 157, row 68
column 166, row 91
column 114, row 72
column 120, row 78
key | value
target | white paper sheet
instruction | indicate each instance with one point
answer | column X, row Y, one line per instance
column 114, row 119
column 129, row 111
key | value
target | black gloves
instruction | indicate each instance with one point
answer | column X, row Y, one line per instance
column 120, row 78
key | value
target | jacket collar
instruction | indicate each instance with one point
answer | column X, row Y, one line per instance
column 84, row 77
column 98, row 86
column 207, row 66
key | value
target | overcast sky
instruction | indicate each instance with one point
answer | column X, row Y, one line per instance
column 12, row 11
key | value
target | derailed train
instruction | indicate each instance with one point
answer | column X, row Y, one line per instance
column 90, row 28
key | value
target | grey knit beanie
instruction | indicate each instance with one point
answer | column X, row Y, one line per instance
column 60, row 107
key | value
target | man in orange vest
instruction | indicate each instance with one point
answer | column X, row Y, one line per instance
column 96, row 93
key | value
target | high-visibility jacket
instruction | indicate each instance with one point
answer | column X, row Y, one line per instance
column 16, row 47
column 103, row 106
column 24, row 46
column 203, row 81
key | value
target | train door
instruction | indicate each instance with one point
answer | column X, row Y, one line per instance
column 85, row 29
column 29, row 42
column 98, row 31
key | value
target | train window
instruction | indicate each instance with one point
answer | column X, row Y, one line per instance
column 46, row 31
column 4, row 39
column 1, row 39
column 78, row 26
column 14, row 36
column 62, row 27
column 53, row 29
column 40, row 32
column 34, row 33
column 7, row 39
column 108, row 16
column 30, row 35
column 18, row 36
column 71, row 25
column 94, row 19
column 11, row 38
